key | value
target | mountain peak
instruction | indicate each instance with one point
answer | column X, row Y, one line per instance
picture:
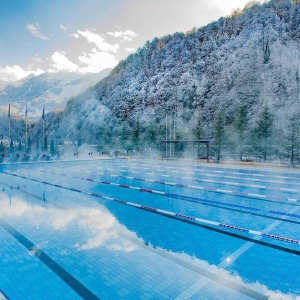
column 50, row 89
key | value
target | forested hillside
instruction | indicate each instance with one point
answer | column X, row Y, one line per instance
column 235, row 80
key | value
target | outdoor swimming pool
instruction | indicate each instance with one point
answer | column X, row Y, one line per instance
column 121, row 229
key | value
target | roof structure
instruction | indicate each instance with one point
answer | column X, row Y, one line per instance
column 193, row 142
column 85, row 148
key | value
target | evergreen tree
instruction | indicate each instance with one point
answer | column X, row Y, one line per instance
column 198, row 130
column 136, row 134
column 11, row 146
column 1, row 147
column 29, row 145
column 52, row 148
column 45, row 144
column 292, row 137
column 151, row 135
column 20, row 146
column 264, row 128
column 190, row 97
column 267, row 52
column 78, row 143
column 219, row 132
column 37, row 147
column 124, row 136
column 240, row 124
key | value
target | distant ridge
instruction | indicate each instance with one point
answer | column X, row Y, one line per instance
column 51, row 89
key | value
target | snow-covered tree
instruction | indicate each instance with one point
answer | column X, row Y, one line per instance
column 198, row 130
column 52, row 147
column 136, row 135
column 264, row 129
column 1, row 147
column 28, row 150
column 292, row 138
column 219, row 133
column 11, row 146
column 240, row 124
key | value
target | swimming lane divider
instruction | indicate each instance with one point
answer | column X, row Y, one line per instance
column 237, row 178
column 178, row 196
column 189, row 219
column 225, row 170
column 264, row 187
column 270, row 198
column 219, row 204
column 199, row 171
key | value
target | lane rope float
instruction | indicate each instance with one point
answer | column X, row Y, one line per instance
column 205, row 222
column 271, row 198
column 224, row 176
column 183, row 197
column 263, row 187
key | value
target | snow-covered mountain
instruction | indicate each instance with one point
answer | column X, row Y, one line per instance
column 51, row 89
column 2, row 84
column 241, row 71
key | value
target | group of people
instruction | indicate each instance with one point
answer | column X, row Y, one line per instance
column 76, row 154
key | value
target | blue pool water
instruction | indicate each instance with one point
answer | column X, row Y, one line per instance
column 121, row 229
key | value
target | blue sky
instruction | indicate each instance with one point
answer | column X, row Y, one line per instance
column 39, row 36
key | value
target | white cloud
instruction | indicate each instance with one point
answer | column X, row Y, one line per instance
column 36, row 31
column 100, row 57
column 129, row 49
column 13, row 73
column 76, row 35
column 126, row 38
column 126, row 35
column 93, row 62
column 62, row 63
column 123, row 33
column 96, row 61
column 98, row 40
column 64, row 27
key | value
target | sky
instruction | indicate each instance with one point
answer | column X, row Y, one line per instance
column 87, row 36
